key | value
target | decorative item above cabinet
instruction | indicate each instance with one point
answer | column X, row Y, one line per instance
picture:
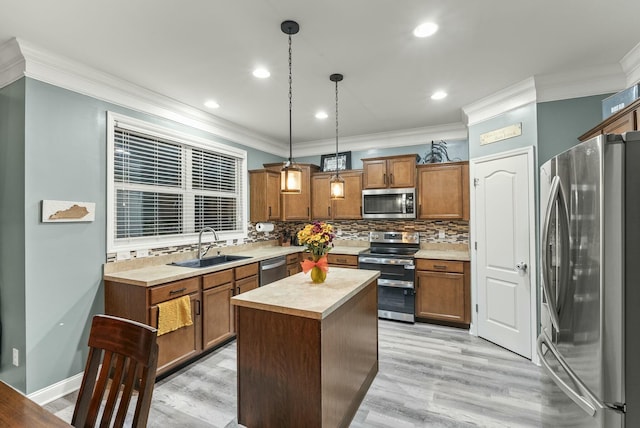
column 389, row 171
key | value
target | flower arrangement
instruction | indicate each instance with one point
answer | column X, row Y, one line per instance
column 318, row 237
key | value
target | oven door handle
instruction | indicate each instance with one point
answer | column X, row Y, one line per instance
column 382, row 261
column 395, row 283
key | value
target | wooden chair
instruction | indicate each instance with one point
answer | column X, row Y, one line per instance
column 129, row 354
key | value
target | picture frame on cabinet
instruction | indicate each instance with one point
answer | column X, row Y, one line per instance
column 328, row 162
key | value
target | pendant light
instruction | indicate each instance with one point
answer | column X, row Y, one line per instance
column 337, row 183
column 290, row 174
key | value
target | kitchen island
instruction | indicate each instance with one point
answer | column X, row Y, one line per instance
column 307, row 353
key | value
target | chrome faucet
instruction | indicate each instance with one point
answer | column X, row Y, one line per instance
column 215, row 235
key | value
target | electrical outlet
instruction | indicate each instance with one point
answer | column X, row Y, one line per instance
column 142, row 253
column 229, row 242
column 441, row 234
column 16, row 357
column 123, row 255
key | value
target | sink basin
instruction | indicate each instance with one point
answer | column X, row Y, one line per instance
column 209, row 261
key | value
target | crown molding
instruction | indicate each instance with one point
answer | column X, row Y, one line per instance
column 631, row 65
column 584, row 82
column 12, row 63
column 407, row 137
column 514, row 96
column 18, row 58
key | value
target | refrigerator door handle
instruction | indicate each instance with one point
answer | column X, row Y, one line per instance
column 555, row 194
column 591, row 405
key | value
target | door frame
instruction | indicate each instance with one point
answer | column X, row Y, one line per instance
column 533, row 258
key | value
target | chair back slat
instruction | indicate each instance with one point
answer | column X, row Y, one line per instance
column 128, row 352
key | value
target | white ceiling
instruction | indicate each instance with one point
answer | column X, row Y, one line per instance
column 199, row 49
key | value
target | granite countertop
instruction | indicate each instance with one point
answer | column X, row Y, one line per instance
column 297, row 295
column 462, row 256
column 155, row 271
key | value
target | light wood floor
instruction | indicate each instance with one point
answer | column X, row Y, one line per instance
column 430, row 376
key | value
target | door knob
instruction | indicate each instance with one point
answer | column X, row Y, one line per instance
column 521, row 267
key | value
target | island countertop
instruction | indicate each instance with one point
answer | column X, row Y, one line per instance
column 298, row 295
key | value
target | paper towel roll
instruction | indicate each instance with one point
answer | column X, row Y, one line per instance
column 264, row 227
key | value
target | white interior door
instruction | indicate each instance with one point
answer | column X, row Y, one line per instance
column 504, row 250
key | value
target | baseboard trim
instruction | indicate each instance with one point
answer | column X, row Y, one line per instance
column 57, row 390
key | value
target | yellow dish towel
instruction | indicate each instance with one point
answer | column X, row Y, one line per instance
column 174, row 314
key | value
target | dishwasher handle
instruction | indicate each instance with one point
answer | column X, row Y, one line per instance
column 277, row 263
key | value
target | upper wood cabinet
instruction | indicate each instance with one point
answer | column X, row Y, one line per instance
column 389, row 171
column 324, row 208
column 623, row 121
column 297, row 206
column 264, row 201
column 443, row 191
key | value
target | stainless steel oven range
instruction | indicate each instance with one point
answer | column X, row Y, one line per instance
column 391, row 253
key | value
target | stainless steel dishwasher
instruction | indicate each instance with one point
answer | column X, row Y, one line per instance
column 272, row 270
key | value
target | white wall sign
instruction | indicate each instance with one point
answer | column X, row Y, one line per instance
column 501, row 134
column 66, row 211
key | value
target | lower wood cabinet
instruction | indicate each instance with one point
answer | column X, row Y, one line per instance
column 342, row 260
column 217, row 314
column 293, row 264
column 246, row 278
column 443, row 291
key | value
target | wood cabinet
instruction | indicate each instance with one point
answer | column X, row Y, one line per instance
column 140, row 304
column 293, row 264
column 443, row 191
column 325, row 208
column 623, row 121
column 343, row 260
column 217, row 315
column 246, row 278
column 264, row 201
column 443, row 292
column 389, row 171
column 296, row 207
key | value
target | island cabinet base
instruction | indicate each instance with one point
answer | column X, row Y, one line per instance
column 295, row 371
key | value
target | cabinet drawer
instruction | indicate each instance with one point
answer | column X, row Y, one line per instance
column 246, row 270
column 174, row 289
column 341, row 259
column 292, row 258
column 440, row 265
column 218, row 278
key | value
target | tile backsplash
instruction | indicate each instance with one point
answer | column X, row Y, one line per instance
column 447, row 232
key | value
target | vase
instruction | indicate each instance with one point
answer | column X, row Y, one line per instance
column 318, row 274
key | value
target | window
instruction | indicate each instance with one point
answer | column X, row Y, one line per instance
column 165, row 186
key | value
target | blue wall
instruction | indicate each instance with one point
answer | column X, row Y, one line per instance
column 12, row 230
column 560, row 123
column 54, row 270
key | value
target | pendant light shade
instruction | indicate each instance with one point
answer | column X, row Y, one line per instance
column 337, row 182
column 290, row 174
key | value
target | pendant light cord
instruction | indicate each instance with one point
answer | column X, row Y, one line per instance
column 337, row 129
column 290, row 104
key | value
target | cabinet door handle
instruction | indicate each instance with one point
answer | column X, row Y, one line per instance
column 439, row 267
column 198, row 308
column 308, row 214
column 390, row 178
column 384, row 178
column 329, row 210
column 178, row 291
column 269, row 211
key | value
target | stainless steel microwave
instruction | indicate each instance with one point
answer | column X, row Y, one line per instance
column 388, row 203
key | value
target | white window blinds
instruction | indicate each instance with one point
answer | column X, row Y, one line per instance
column 166, row 189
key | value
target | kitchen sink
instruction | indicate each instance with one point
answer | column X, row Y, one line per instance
column 209, row 261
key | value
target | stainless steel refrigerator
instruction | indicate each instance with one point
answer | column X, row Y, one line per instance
column 589, row 342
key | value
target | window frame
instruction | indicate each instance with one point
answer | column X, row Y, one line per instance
column 186, row 141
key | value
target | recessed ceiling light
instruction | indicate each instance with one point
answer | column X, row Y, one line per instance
column 425, row 30
column 438, row 95
column 211, row 104
column 261, row 73
column 321, row 115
